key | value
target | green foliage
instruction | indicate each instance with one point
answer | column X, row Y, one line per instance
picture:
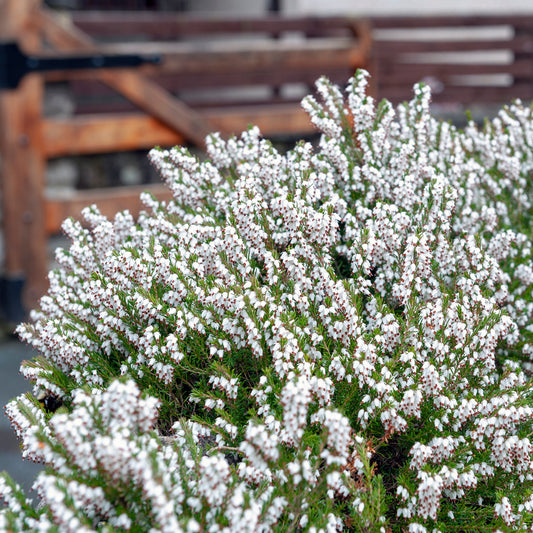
column 334, row 338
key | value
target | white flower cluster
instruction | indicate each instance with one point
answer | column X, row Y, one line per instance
column 111, row 471
column 344, row 330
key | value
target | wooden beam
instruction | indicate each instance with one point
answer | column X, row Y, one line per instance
column 120, row 132
column 137, row 88
column 83, row 84
column 170, row 26
column 109, row 201
column 271, row 120
column 462, row 95
column 221, row 64
column 94, row 134
column 409, row 73
column 451, row 21
column 203, row 105
column 385, row 49
column 215, row 56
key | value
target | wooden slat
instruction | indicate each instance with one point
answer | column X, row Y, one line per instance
column 451, row 21
column 462, row 95
column 108, row 133
column 400, row 61
column 134, row 86
column 202, row 105
column 109, row 202
column 171, row 26
column 397, row 73
column 271, row 120
column 387, row 48
column 105, row 133
column 84, row 86
column 305, row 56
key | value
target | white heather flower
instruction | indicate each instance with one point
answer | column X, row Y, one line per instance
column 213, row 480
column 377, row 283
column 339, row 437
column 295, row 398
column 429, row 493
column 504, row 510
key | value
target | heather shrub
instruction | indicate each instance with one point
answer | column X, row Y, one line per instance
column 335, row 338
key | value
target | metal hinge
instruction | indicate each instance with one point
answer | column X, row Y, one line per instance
column 15, row 64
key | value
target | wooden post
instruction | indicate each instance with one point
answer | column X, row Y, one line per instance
column 22, row 172
column 524, row 55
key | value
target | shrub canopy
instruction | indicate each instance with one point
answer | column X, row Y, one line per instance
column 335, row 338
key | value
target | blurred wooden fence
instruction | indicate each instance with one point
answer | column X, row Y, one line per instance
column 159, row 105
column 465, row 59
column 215, row 75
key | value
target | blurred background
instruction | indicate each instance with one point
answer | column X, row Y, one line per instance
column 76, row 133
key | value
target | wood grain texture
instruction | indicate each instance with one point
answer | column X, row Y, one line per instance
column 133, row 85
column 23, row 164
column 92, row 134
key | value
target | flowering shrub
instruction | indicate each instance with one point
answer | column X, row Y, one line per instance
column 338, row 338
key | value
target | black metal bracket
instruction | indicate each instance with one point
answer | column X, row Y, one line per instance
column 15, row 64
